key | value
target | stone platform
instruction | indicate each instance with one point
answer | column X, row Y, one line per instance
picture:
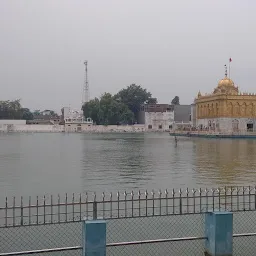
column 204, row 134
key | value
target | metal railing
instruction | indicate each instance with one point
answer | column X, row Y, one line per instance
column 175, row 221
column 49, row 209
column 130, row 243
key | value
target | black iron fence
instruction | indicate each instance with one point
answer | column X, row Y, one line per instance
column 61, row 209
column 142, row 223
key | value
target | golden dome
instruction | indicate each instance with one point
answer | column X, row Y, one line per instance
column 226, row 86
column 226, row 82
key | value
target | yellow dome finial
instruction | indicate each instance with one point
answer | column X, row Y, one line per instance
column 199, row 94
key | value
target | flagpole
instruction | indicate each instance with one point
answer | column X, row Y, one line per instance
column 229, row 69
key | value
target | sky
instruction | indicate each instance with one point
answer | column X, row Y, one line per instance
column 169, row 47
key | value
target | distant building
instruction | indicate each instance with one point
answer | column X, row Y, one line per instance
column 46, row 112
column 45, row 118
column 193, row 114
column 182, row 116
column 74, row 120
column 156, row 116
column 41, row 121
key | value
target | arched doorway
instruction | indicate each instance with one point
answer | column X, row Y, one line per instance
column 235, row 125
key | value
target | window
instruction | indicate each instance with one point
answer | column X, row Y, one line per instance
column 160, row 126
column 149, row 126
column 170, row 126
column 249, row 127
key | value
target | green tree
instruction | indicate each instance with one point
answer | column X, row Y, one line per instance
column 107, row 110
column 36, row 113
column 27, row 114
column 176, row 100
column 10, row 109
column 91, row 109
column 133, row 96
column 152, row 101
column 53, row 113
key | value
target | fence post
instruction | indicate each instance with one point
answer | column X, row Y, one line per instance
column 94, row 238
column 219, row 234
column 94, row 210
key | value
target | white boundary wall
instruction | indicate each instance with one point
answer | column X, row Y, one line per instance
column 84, row 128
column 104, row 128
column 37, row 128
column 12, row 121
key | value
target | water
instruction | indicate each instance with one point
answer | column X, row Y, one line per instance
column 37, row 164
column 51, row 163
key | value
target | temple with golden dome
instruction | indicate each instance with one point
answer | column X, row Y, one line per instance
column 226, row 109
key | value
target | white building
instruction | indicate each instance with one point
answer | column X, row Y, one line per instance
column 157, row 116
column 159, row 120
column 182, row 117
column 74, row 120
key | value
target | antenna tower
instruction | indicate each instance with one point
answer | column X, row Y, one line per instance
column 86, row 85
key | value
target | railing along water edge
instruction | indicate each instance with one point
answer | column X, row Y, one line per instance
column 75, row 208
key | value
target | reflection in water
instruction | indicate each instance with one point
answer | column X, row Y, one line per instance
column 225, row 162
column 115, row 160
column 110, row 162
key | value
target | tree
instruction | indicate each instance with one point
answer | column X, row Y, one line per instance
column 91, row 109
column 53, row 113
column 36, row 113
column 107, row 110
column 152, row 101
column 10, row 109
column 27, row 114
column 176, row 100
column 133, row 97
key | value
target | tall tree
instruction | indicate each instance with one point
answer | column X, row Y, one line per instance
column 133, row 96
column 176, row 100
column 107, row 110
column 91, row 109
column 10, row 109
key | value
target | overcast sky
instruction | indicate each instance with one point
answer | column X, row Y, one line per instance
column 170, row 47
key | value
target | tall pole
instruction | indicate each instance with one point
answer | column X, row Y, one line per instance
column 229, row 70
column 229, row 67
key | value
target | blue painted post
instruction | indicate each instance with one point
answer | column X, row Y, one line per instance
column 219, row 233
column 94, row 238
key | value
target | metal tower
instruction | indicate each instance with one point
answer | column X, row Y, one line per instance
column 86, row 95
